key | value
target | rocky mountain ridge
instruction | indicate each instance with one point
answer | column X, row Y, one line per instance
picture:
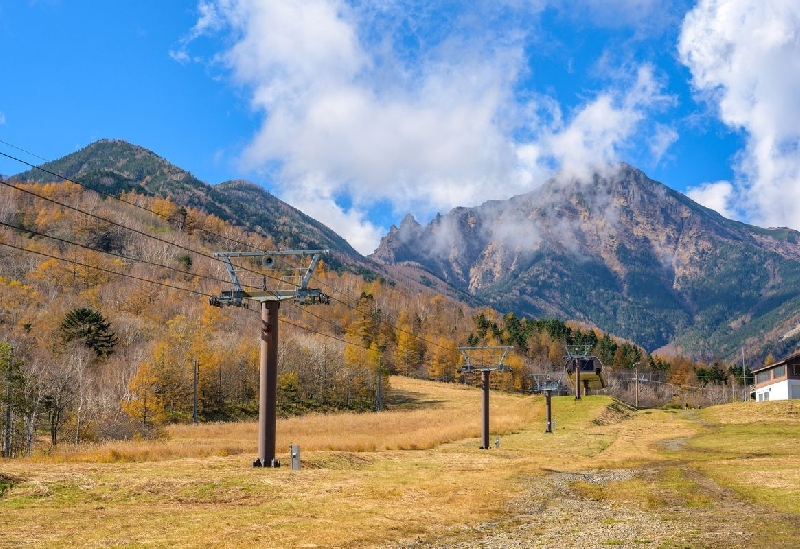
column 623, row 252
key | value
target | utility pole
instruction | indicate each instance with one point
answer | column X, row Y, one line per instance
column 636, row 385
column 745, row 396
column 485, row 371
column 7, row 430
column 379, row 403
column 268, row 385
column 290, row 284
column 195, row 372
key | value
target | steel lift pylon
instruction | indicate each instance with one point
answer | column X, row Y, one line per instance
column 269, row 292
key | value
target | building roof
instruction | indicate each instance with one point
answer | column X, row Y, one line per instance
column 794, row 357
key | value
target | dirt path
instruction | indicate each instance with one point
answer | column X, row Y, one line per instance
column 554, row 515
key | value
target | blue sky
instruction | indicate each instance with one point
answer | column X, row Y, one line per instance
column 358, row 112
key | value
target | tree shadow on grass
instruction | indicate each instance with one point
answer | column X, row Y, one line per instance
column 410, row 400
column 6, row 483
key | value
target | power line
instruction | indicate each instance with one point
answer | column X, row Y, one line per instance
column 73, row 208
column 109, row 271
column 162, row 284
column 105, row 194
column 100, row 218
column 349, row 305
column 116, row 224
column 22, row 150
column 126, row 257
column 179, row 288
column 121, row 256
column 108, row 195
column 146, row 235
column 173, row 287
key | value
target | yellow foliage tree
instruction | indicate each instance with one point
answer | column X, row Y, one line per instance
column 146, row 402
column 681, row 371
column 409, row 346
column 445, row 358
column 165, row 208
column 171, row 367
column 18, row 301
column 518, row 379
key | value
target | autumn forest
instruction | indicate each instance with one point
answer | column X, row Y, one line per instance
column 106, row 330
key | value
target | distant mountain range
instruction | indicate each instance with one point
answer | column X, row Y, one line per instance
column 616, row 250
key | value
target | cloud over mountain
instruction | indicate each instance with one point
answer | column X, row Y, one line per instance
column 419, row 106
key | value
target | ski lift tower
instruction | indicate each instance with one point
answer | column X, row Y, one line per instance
column 469, row 367
column 583, row 370
column 286, row 284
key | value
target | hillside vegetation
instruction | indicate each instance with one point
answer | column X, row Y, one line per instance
column 105, row 312
column 105, row 315
column 723, row 477
column 112, row 166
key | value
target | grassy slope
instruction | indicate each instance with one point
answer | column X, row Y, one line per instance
column 414, row 472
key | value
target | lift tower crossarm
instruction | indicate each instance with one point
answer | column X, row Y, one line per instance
column 311, row 267
column 226, row 259
column 298, row 291
column 500, row 366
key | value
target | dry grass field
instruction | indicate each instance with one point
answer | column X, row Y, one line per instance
column 413, row 476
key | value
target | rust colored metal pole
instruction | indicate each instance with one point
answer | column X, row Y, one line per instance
column 578, row 365
column 548, row 399
column 485, row 376
column 268, row 384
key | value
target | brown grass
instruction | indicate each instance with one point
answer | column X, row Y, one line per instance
column 373, row 480
column 438, row 413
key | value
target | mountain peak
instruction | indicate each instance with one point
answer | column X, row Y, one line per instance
column 615, row 249
column 111, row 166
column 408, row 222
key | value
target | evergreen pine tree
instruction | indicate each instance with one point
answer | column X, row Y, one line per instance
column 87, row 325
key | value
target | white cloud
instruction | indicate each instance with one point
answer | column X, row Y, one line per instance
column 208, row 21
column 744, row 56
column 352, row 225
column 718, row 196
column 661, row 140
column 2, row 119
column 601, row 128
column 180, row 55
column 352, row 109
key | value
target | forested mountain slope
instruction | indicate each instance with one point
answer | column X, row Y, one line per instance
column 113, row 166
column 615, row 250
column 104, row 310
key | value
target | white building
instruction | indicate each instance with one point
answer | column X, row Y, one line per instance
column 780, row 380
